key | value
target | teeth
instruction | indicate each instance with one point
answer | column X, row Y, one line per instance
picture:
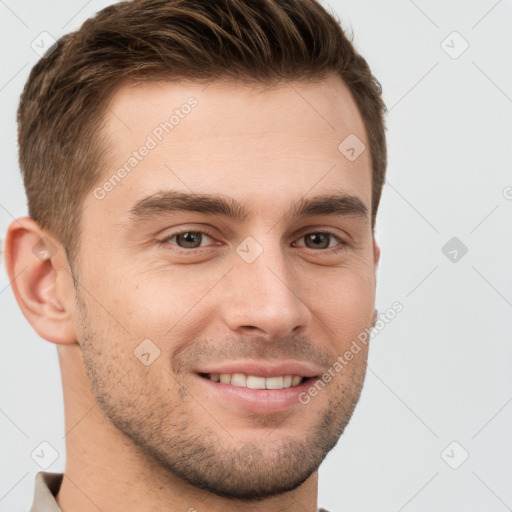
column 274, row 383
column 239, row 380
column 296, row 380
column 225, row 378
column 254, row 382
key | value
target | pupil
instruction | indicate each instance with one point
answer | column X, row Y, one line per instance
column 189, row 240
column 318, row 240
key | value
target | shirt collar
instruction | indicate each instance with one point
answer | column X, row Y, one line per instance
column 47, row 486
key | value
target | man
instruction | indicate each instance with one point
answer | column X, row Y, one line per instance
column 203, row 180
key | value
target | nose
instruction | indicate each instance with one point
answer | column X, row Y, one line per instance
column 263, row 298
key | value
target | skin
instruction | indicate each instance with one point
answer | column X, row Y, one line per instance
column 156, row 437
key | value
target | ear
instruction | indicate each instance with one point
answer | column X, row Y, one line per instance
column 40, row 278
column 376, row 253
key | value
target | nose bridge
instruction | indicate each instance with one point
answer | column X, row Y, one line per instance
column 261, row 292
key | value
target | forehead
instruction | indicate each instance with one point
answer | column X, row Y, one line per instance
column 255, row 143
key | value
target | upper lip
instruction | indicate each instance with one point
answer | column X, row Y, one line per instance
column 263, row 368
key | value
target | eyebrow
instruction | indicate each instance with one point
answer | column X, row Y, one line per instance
column 169, row 201
column 341, row 204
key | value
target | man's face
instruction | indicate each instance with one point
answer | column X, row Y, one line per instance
column 272, row 275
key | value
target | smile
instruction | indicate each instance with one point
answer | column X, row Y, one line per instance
column 255, row 382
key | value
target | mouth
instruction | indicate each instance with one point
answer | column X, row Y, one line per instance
column 241, row 380
column 257, row 387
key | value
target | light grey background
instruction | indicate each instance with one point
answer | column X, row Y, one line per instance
column 440, row 371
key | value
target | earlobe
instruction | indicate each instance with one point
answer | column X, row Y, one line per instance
column 36, row 264
column 376, row 259
column 376, row 253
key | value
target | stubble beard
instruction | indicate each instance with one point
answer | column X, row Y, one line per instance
column 171, row 441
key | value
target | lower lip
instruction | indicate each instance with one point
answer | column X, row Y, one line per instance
column 263, row 401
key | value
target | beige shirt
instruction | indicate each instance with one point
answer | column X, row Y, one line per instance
column 47, row 486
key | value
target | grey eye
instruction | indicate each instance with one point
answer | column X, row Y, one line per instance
column 189, row 240
column 317, row 240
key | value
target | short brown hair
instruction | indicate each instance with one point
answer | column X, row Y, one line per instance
column 263, row 41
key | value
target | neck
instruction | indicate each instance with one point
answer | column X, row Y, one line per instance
column 105, row 470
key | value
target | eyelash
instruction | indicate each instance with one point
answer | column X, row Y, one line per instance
column 176, row 248
column 165, row 241
column 341, row 243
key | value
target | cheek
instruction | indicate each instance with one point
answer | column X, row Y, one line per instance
column 343, row 302
column 159, row 304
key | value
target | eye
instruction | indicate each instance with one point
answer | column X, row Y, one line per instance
column 319, row 240
column 188, row 239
